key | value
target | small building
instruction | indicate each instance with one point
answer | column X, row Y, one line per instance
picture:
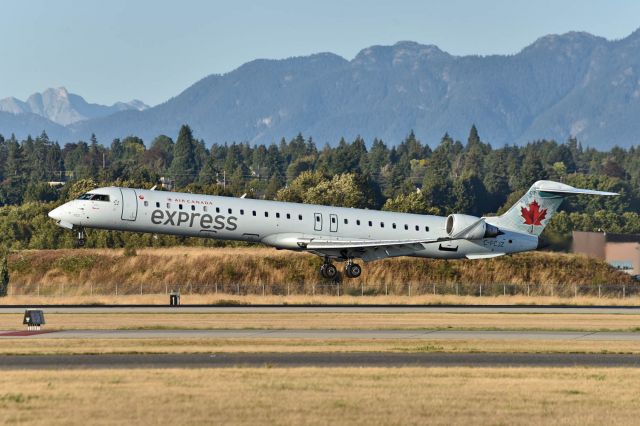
column 622, row 251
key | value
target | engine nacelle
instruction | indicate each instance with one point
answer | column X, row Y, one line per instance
column 469, row 227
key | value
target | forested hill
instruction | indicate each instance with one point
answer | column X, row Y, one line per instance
column 574, row 84
column 471, row 177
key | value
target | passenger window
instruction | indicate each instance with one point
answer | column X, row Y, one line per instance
column 370, row 223
column 146, row 204
column 299, row 217
column 168, row 205
column 241, row 211
column 417, row 228
column 254, row 213
column 358, row 222
column 346, row 221
column 180, row 206
column 157, row 205
column 217, row 209
column 317, row 218
column 393, row 225
column 277, row 215
column 381, row 224
column 229, row 210
column 266, row 214
column 426, row 228
column 193, row 208
column 204, row 209
column 333, row 220
column 406, row 227
column 288, row 216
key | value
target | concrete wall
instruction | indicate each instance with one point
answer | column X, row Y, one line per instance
column 590, row 243
column 629, row 252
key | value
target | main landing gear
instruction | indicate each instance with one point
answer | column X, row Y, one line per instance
column 330, row 272
column 81, row 237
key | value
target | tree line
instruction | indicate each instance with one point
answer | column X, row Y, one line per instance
column 468, row 177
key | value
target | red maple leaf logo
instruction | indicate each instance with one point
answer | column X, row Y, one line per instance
column 533, row 215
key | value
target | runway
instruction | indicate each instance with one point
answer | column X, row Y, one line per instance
column 346, row 359
column 328, row 334
column 486, row 309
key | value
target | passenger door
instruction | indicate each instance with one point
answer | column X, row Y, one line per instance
column 333, row 222
column 317, row 221
column 129, row 204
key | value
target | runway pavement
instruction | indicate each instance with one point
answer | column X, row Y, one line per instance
column 352, row 359
column 328, row 334
column 486, row 309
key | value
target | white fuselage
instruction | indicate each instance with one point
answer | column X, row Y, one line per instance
column 278, row 224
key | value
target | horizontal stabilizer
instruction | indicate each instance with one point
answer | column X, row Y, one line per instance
column 561, row 188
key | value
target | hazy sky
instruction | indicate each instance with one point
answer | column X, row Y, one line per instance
column 117, row 50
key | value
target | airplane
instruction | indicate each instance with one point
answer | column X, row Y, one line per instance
column 334, row 233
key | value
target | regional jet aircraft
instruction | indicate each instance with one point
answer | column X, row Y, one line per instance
column 334, row 233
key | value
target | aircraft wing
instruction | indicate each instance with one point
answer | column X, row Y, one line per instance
column 326, row 244
column 366, row 250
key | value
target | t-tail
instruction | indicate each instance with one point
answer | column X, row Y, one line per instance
column 536, row 208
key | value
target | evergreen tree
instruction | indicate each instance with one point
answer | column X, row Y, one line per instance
column 184, row 166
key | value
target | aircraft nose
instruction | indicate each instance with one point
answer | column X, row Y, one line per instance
column 56, row 213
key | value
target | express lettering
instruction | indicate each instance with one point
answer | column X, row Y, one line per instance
column 206, row 221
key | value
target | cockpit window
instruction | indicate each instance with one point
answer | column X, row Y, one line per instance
column 94, row 197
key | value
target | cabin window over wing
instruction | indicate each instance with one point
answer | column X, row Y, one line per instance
column 358, row 222
column 254, row 212
column 406, row 227
column 426, row 228
column 266, row 214
column 333, row 220
column 393, row 225
column 381, row 224
column 370, row 223
column 278, row 215
column 417, row 228
column 288, row 216
column 299, row 217
column 346, row 221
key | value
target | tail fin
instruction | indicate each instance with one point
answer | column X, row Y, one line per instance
column 534, row 210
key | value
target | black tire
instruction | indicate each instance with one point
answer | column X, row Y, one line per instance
column 330, row 271
column 355, row 270
column 347, row 270
column 80, row 242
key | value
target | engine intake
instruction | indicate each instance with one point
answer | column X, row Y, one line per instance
column 469, row 227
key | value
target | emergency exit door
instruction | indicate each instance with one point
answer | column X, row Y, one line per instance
column 129, row 204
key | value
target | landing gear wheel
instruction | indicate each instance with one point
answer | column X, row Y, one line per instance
column 80, row 242
column 328, row 271
column 353, row 270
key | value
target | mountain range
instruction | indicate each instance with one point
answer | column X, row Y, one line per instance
column 574, row 84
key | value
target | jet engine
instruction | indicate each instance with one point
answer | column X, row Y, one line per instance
column 469, row 227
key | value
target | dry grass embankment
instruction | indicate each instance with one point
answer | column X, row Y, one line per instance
column 52, row 346
column 331, row 320
column 99, row 271
column 372, row 396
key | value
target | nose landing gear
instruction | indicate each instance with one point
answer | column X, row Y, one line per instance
column 81, row 238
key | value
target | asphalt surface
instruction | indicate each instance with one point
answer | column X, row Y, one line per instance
column 487, row 309
column 350, row 359
column 328, row 334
